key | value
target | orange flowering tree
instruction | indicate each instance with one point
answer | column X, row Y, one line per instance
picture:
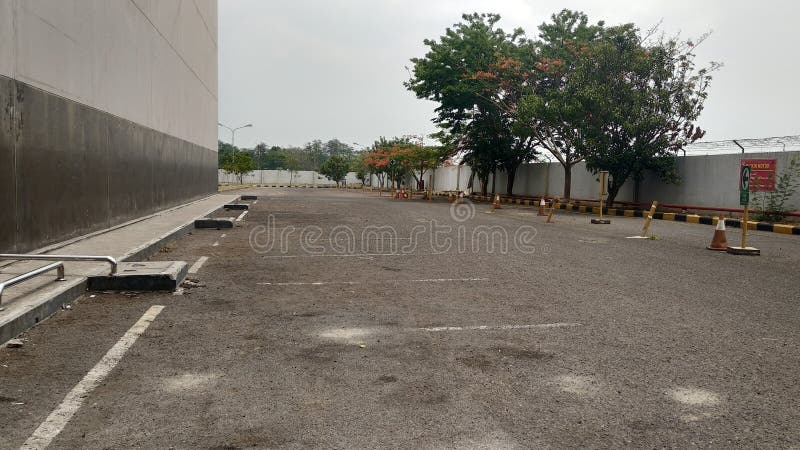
column 401, row 159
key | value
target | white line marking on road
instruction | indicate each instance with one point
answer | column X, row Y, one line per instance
column 198, row 264
column 58, row 419
column 215, row 244
column 356, row 255
column 223, row 235
column 255, row 201
column 326, row 283
column 445, row 280
column 309, row 283
column 502, row 327
column 241, row 216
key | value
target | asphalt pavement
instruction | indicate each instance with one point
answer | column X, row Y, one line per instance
column 343, row 319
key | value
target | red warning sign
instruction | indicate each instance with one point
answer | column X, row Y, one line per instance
column 762, row 176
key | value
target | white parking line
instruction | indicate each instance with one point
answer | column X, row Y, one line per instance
column 347, row 255
column 309, row 283
column 222, row 235
column 58, row 419
column 241, row 216
column 198, row 264
column 326, row 283
column 502, row 327
column 355, row 335
column 215, row 244
column 255, row 201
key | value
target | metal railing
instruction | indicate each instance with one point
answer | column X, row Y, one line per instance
column 58, row 266
column 23, row 257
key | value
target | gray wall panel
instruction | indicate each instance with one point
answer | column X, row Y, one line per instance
column 79, row 169
column 8, row 211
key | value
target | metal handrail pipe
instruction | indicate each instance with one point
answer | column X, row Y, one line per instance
column 58, row 266
column 23, row 257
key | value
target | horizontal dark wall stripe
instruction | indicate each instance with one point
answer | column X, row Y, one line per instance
column 762, row 226
column 72, row 169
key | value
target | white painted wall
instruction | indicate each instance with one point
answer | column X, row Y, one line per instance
column 153, row 62
column 282, row 177
column 707, row 180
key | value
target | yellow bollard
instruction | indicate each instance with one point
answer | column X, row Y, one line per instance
column 647, row 221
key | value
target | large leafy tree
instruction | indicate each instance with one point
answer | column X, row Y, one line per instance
column 451, row 72
column 641, row 100
column 536, row 88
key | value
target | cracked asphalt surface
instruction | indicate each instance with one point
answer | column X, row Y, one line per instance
column 303, row 330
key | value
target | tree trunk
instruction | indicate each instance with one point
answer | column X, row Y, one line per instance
column 613, row 190
column 494, row 182
column 484, row 184
column 512, row 174
column 567, row 180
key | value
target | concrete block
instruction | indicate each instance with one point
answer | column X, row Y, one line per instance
column 141, row 276
column 215, row 223
column 249, row 197
column 236, row 206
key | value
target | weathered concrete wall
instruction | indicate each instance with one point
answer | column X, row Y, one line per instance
column 107, row 113
column 710, row 181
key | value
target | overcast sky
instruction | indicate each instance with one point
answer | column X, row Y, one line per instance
column 302, row 69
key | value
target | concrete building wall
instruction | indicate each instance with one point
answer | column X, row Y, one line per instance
column 109, row 112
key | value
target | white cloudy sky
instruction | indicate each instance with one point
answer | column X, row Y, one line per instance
column 305, row 69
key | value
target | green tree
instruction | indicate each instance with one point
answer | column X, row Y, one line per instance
column 362, row 170
column 455, row 72
column 335, row 168
column 294, row 163
column 239, row 164
column 537, row 88
column 641, row 100
column 224, row 152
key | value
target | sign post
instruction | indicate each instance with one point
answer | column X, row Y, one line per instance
column 745, row 174
column 603, row 193
column 391, row 171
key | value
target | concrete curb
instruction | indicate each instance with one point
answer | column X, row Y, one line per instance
column 76, row 287
column 675, row 217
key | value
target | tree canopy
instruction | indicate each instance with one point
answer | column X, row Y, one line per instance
column 621, row 100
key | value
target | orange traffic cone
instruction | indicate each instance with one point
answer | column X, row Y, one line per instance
column 541, row 207
column 496, row 203
column 460, row 199
column 719, row 242
column 450, row 198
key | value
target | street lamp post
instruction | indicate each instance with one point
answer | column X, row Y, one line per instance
column 233, row 132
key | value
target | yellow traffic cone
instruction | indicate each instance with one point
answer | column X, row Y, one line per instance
column 496, row 203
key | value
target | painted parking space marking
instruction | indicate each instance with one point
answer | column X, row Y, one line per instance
column 542, row 326
column 328, row 283
column 57, row 420
column 358, row 335
column 348, row 255
column 215, row 244
column 241, row 216
column 198, row 264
